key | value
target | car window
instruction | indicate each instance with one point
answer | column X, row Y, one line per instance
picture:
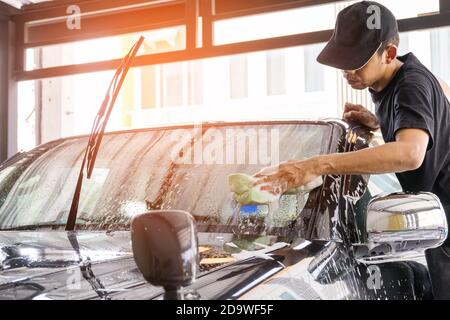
column 183, row 169
column 383, row 183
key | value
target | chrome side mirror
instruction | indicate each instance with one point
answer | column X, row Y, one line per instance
column 165, row 249
column 402, row 224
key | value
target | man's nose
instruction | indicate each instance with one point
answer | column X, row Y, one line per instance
column 348, row 72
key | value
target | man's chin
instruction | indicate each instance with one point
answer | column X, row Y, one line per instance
column 358, row 86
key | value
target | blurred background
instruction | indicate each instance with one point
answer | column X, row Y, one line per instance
column 275, row 83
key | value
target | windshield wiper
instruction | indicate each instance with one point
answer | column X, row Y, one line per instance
column 98, row 129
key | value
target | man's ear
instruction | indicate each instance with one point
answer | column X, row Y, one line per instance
column 391, row 54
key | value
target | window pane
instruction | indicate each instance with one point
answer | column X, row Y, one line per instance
column 173, row 85
column 196, row 82
column 27, row 111
column 238, row 77
column 156, row 41
column 440, row 53
column 276, row 75
column 149, row 79
column 432, row 48
column 404, row 44
column 403, row 9
column 274, row 24
column 209, row 90
column 308, row 19
column 314, row 72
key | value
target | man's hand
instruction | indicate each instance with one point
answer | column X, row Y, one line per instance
column 359, row 114
column 287, row 175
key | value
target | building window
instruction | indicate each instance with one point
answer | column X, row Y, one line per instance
column 149, row 90
column 404, row 44
column 173, row 85
column 196, row 82
column 440, row 51
column 238, row 77
column 314, row 71
column 276, row 74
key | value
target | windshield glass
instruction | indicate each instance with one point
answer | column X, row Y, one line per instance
column 182, row 168
column 12, row 169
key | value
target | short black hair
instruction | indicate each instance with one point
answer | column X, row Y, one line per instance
column 395, row 40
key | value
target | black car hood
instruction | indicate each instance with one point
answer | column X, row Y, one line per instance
column 100, row 265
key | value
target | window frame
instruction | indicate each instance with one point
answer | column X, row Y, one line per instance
column 197, row 15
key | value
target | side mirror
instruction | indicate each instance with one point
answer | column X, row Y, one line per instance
column 401, row 224
column 165, row 249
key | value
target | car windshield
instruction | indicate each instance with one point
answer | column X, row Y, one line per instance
column 182, row 168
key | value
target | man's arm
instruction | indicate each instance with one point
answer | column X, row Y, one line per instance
column 445, row 87
column 405, row 154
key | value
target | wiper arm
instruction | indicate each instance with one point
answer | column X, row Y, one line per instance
column 98, row 129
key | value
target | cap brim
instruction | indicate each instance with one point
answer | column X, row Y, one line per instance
column 346, row 57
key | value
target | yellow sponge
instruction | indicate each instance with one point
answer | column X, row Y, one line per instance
column 245, row 192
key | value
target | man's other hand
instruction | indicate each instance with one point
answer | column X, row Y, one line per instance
column 359, row 114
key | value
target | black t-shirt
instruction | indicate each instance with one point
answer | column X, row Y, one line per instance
column 415, row 99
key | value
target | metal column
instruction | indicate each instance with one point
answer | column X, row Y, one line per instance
column 8, row 90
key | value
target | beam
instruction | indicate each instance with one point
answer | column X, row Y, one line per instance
column 3, row 88
column 58, row 8
column 8, row 91
column 13, row 117
column 191, row 16
column 7, row 10
column 206, row 12
column 444, row 6
column 424, row 22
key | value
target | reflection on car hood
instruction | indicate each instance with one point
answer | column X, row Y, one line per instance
column 92, row 265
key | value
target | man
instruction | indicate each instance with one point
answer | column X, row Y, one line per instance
column 411, row 111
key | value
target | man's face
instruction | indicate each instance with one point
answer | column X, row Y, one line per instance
column 366, row 76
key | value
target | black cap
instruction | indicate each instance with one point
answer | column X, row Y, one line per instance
column 360, row 30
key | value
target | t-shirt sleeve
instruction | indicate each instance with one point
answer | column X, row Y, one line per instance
column 413, row 108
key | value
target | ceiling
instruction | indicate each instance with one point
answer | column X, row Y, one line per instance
column 19, row 3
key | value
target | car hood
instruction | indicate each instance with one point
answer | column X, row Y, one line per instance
column 100, row 265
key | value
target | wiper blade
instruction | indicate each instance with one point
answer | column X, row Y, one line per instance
column 98, row 129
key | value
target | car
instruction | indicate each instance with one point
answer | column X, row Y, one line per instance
column 156, row 220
